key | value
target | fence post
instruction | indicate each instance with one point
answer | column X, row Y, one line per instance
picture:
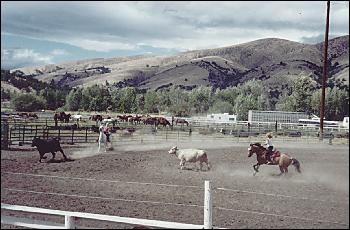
column 72, row 135
column 69, row 222
column 23, row 133
column 19, row 133
column 10, row 134
column 86, row 131
column 208, row 206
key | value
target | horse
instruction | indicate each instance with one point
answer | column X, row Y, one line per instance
column 62, row 116
column 181, row 121
column 96, row 118
column 77, row 117
column 283, row 160
column 134, row 120
column 124, row 117
column 163, row 121
column 151, row 121
column 67, row 117
column 103, row 138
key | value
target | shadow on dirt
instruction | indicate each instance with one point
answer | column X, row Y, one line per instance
column 194, row 169
column 59, row 161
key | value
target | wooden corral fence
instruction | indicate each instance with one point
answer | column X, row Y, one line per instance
column 22, row 134
column 22, row 131
column 70, row 217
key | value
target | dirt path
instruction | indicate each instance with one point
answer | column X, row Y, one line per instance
column 144, row 181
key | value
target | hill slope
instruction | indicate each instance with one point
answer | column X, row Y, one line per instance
column 270, row 60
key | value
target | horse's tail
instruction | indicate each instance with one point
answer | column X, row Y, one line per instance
column 296, row 164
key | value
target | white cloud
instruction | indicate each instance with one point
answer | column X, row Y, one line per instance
column 102, row 46
column 16, row 58
column 107, row 26
column 58, row 52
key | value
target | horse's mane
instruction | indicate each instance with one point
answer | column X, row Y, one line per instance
column 258, row 145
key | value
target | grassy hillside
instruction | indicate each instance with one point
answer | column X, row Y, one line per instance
column 275, row 62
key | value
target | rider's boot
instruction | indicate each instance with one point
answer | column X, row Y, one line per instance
column 269, row 161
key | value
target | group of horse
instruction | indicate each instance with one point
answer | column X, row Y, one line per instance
column 61, row 116
column 20, row 115
column 148, row 120
column 137, row 119
column 28, row 115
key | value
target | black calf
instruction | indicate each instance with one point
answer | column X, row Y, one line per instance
column 45, row 146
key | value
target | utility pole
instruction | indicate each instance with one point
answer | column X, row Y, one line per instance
column 325, row 62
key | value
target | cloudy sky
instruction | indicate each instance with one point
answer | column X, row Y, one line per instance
column 35, row 33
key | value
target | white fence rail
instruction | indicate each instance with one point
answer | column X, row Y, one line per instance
column 71, row 216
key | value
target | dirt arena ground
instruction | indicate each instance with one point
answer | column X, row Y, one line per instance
column 144, row 181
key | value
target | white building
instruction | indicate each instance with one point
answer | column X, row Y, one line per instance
column 273, row 116
column 222, row 118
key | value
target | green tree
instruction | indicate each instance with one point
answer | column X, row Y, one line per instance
column 73, row 99
column 152, row 102
column 336, row 103
column 249, row 98
column 286, row 103
column 201, row 99
column 229, row 94
column 164, row 100
column 106, row 98
column 180, row 102
column 49, row 96
column 86, row 99
column 220, row 106
column 128, row 100
column 5, row 94
column 302, row 92
column 116, row 95
column 243, row 104
column 27, row 102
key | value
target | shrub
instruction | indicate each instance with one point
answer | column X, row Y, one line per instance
column 27, row 102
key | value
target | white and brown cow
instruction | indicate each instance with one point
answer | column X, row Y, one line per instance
column 190, row 155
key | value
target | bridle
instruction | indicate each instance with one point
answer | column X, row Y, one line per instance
column 256, row 149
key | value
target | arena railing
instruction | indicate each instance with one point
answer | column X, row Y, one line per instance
column 70, row 217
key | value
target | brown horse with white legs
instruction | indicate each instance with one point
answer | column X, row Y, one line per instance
column 181, row 121
column 283, row 160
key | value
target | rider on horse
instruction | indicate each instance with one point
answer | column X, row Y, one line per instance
column 269, row 146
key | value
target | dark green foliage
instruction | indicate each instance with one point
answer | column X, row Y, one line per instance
column 182, row 101
column 27, row 102
column 51, row 95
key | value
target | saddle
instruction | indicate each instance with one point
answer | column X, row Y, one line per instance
column 275, row 154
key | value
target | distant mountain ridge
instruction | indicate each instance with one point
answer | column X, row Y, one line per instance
column 275, row 62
